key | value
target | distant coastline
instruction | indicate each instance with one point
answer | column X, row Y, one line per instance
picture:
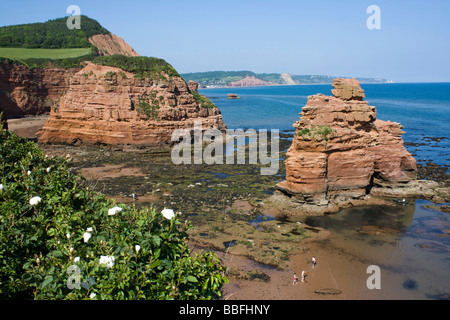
column 236, row 79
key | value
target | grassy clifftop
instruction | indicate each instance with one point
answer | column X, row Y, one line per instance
column 53, row 44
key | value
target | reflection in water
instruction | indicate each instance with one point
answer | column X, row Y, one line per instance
column 412, row 242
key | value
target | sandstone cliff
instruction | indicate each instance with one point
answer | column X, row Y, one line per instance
column 286, row 79
column 110, row 44
column 249, row 81
column 341, row 151
column 110, row 106
column 25, row 91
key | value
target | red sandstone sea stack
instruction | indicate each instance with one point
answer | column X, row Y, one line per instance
column 340, row 151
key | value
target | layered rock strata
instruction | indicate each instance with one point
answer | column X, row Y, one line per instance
column 340, row 151
column 106, row 105
column 25, row 91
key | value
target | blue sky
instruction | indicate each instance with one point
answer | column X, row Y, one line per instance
column 297, row 36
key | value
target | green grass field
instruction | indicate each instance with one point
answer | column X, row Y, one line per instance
column 21, row 53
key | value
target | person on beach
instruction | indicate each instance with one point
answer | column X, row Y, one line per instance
column 295, row 279
column 303, row 276
column 313, row 262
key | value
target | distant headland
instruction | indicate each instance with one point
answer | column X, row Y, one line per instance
column 215, row 79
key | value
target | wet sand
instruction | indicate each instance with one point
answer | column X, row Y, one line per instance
column 338, row 275
column 27, row 127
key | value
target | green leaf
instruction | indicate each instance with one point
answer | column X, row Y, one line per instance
column 154, row 264
column 192, row 279
column 157, row 253
column 46, row 281
column 57, row 254
column 156, row 240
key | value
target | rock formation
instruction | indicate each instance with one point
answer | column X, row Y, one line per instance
column 286, row 79
column 340, row 151
column 106, row 105
column 193, row 86
column 109, row 44
column 249, row 81
column 25, row 91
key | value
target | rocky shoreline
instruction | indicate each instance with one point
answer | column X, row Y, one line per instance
column 267, row 238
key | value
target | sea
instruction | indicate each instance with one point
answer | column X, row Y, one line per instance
column 415, row 260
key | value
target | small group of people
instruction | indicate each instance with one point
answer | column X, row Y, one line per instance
column 296, row 277
column 314, row 263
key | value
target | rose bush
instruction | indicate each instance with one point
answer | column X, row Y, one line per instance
column 60, row 240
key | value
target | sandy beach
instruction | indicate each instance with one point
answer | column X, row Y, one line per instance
column 338, row 275
column 27, row 127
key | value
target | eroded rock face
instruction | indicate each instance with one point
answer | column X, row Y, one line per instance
column 340, row 150
column 25, row 91
column 249, row 81
column 193, row 86
column 106, row 105
column 110, row 44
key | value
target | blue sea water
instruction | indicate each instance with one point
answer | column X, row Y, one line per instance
column 423, row 109
column 414, row 262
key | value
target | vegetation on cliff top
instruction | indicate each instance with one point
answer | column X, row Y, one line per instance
column 61, row 240
column 142, row 67
column 52, row 34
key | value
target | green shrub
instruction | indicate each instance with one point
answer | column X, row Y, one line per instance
column 149, row 105
column 320, row 131
column 203, row 101
column 142, row 67
column 43, row 249
column 52, row 34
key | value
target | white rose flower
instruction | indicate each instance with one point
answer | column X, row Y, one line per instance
column 28, row 172
column 77, row 259
column 114, row 210
column 92, row 295
column 168, row 213
column 87, row 236
column 1, row 187
column 137, row 248
column 68, row 235
column 48, row 169
column 108, row 260
column 35, row 200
